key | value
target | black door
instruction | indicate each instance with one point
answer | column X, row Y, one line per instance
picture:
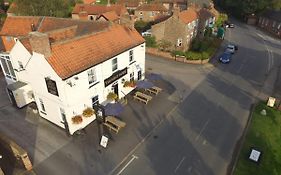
column 139, row 75
column 115, row 88
column 12, row 98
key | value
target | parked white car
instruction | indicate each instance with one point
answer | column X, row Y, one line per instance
column 231, row 48
column 146, row 33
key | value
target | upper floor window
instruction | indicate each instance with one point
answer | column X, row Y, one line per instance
column 140, row 12
column 131, row 55
column 114, row 64
column 7, row 67
column 52, row 86
column 92, row 77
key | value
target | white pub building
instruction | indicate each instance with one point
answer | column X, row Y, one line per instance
column 66, row 66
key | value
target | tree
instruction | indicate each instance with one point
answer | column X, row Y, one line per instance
column 164, row 45
column 57, row 8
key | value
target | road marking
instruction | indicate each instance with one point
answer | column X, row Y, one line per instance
column 205, row 125
column 269, row 53
column 132, row 159
column 179, row 164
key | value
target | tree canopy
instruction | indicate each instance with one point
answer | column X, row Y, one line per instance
column 245, row 7
column 57, row 8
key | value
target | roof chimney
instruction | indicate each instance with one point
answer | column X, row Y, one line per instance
column 33, row 27
column 40, row 43
column 108, row 2
column 176, row 12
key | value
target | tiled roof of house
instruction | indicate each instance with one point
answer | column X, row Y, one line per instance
column 272, row 14
column 172, row 1
column 89, row 1
column 19, row 26
column 73, row 57
column 151, row 7
column 110, row 16
column 188, row 15
column 99, row 9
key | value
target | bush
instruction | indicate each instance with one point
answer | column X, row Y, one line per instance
column 222, row 17
column 150, row 41
column 142, row 26
column 191, row 55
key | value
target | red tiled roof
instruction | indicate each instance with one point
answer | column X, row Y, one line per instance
column 152, row 7
column 72, row 57
column 89, row 1
column 110, row 16
column 99, row 9
column 188, row 15
column 19, row 26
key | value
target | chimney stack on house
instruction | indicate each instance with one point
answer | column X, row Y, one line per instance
column 108, row 2
column 128, row 21
column 40, row 43
column 176, row 12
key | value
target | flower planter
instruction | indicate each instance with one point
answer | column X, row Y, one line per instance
column 77, row 119
column 88, row 112
column 112, row 96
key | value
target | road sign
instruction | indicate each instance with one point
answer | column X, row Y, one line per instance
column 104, row 141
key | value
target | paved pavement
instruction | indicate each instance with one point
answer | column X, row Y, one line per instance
column 192, row 127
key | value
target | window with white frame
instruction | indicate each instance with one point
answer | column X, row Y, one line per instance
column 7, row 67
column 42, row 106
column 132, row 77
column 62, row 115
column 131, row 55
column 92, row 77
column 179, row 42
column 20, row 65
column 114, row 64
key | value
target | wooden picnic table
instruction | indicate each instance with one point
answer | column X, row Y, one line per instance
column 142, row 97
column 154, row 90
column 114, row 123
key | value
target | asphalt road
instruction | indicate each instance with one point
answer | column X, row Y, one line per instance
column 199, row 135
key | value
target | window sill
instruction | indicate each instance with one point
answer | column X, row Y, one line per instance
column 132, row 62
column 91, row 85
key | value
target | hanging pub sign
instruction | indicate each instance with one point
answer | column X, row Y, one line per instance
column 51, row 86
column 115, row 76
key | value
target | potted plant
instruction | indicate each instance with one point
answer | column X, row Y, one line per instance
column 77, row 119
column 130, row 83
column 88, row 112
column 112, row 96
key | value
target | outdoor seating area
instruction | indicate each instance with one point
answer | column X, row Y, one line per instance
column 114, row 123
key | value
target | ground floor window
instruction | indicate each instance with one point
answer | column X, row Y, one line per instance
column 139, row 74
column 42, row 106
column 132, row 78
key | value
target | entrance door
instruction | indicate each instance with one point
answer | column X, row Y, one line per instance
column 115, row 88
column 139, row 74
column 12, row 98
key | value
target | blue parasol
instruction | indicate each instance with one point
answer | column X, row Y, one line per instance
column 114, row 109
column 144, row 84
column 154, row 76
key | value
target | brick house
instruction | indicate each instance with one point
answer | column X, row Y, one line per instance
column 65, row 66
column 150, row 12
column 179, row 29
column 271, row 22
column 91, row 12
column 171, row 4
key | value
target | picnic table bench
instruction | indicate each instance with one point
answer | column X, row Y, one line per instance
column 114, row 123
column 142, row 97
column 154, row 90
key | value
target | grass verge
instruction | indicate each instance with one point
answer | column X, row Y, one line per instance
column 264, row 134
